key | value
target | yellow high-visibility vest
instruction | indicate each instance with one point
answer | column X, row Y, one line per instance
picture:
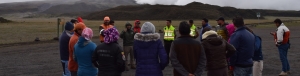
column 193, row 30
column 169, row 33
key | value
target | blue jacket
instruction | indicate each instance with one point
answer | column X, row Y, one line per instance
column 258, row 52
column 244, row 42
column 64, row 45
column 83, row 56
column 206, row 26
column 150, row 55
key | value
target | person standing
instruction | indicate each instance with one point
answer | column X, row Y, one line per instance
column 72, row 65
column 222, row 30
column 193, row 29
column 84, row 49
column 128, row 37
column 282, row 42
column 217, row 51
column 170, row 35
column 137, row 27
column 107, row 56
column 205, row 27
column 106, row 25
column 244, row 42
column 187, row 54
column 258, row 57
column 63, row 47
column 149, row 52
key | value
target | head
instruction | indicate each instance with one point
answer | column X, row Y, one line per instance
column 69, row 26
column 184, row 28
column 106, row 20
column 221, row 21
column 112, row 22
column 204, row 21
column 191, row 22
column 277, row 22
column 137, row 23
column 128, row 26
column 79, row 19
column 111, row 35
column 87, row 33
column 169, row 22
column 74, row 21
column 79, row 28
column 238, row 22
column 148, row 27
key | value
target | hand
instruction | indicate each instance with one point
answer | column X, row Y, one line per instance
column 191, row 74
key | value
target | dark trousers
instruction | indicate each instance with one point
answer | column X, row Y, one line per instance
column 73, row 73
column 167, row 45
column 218, row 72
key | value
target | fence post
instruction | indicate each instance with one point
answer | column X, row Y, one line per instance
column 58, row 23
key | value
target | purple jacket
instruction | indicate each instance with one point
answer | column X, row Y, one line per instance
column 150, row 55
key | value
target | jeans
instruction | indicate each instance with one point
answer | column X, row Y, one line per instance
column 65, row 68
column 258, row 68
column 283, row 49
column 240, row 71
column 167, row 45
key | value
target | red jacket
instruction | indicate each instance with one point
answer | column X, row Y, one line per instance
column 137, row 28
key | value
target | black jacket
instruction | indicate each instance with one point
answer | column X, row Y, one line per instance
column 108, row 59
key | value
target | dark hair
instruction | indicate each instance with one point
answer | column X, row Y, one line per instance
column 205, row 20
column 191, row 21
column 184, row 28
column 278, row 21
column 169, row 21
column 73, row 20
column 111, row 21
column 127, row 24
column 238, row 21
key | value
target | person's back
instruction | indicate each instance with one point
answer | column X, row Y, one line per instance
column 187, row 54
column 83, row 56
column 151, row 58
column 107, row 58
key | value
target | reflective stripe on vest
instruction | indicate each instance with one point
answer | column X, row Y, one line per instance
column 193, row 30
column 169, row 33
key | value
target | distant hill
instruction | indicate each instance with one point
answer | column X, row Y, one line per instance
column 194, row 10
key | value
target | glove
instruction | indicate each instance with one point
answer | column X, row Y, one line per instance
column 231, row 68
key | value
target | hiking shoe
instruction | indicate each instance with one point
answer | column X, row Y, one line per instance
column 283, row 74
column 288, row 72
column 133, row 67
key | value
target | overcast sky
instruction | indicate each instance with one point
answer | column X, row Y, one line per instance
column 249, row 4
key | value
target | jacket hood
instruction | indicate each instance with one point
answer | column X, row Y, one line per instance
column 82, row 41
column 212, row 38
column 135, row 25
column 79, row 19
column 147, row 37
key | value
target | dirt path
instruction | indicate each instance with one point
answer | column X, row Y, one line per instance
column 42, row 59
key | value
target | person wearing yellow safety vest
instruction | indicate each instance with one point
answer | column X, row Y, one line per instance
column 169, row 36
column 194, row 33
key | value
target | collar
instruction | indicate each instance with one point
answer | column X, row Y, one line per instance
column 205, row 25
column 240, row 28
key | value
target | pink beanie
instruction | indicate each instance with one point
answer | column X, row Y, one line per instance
column 87, row 33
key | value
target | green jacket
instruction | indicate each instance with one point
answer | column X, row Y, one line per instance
column 128, row 37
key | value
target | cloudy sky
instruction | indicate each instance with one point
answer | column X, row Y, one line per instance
column 249, row 4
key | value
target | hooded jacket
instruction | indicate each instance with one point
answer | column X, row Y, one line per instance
column 83, row 56
column 108, row 59
column 244, row 42
column 136, row 28
column 230, row 28
column 64, row 41
column 127, row 36
column 150, row 55
column 217, row 50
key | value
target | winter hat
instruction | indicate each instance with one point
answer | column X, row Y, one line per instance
column 207, row 33
column 69, row 26
column 127, row 24
column 79, row 26
column 148, row 27
column 87, row 33
column 79, row 19
column 111, row 35
column 106, row 18
column 184, row 28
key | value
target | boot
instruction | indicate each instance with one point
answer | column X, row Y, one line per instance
column 133, row 66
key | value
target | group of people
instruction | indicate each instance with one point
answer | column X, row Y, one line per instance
column 229, row 50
